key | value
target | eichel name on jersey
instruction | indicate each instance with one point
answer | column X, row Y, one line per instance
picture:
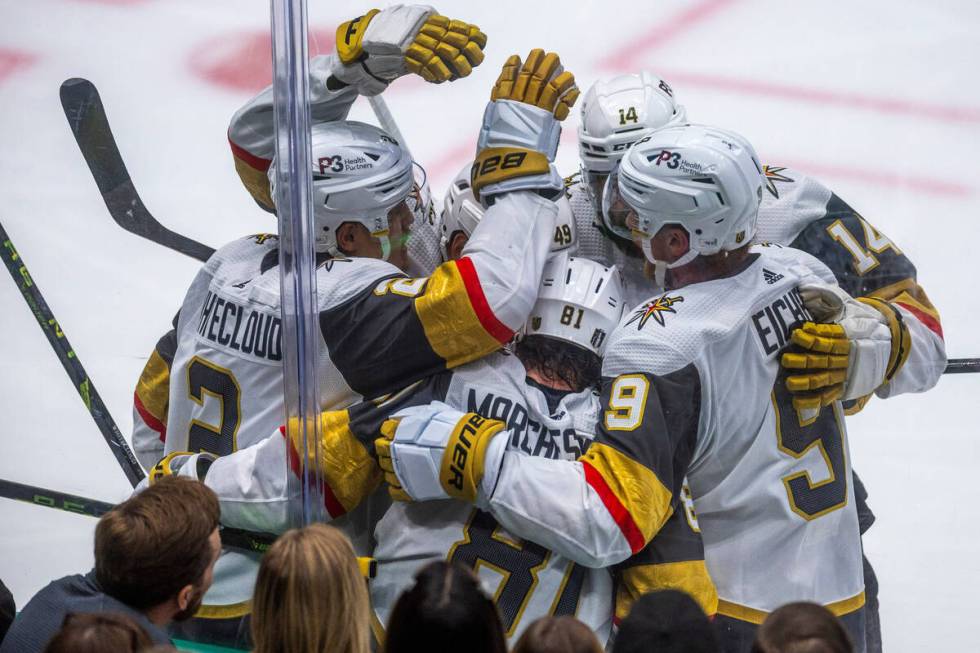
column 800, row 212
column 774, row 323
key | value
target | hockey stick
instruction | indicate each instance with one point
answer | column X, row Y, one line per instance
column 39, row 496
column 86, row 116
column 69, row 360
column 962, row 365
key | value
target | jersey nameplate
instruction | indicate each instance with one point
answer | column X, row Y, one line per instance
column 528, row 435
column 774, row 322
column 240, row 328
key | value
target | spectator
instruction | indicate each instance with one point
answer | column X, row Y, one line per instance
column 666, row 622
column 558, row 635
column 96, row 633
column 154, row 556
column 8, row 610
column 445, row 610
column 802, row 628
column 310, row 596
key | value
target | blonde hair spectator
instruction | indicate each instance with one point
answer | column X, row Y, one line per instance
column 310, row 596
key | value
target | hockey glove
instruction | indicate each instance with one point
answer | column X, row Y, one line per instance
column 437, row 452
column 864, row 349
column 380, row 46
column 519, row 136
column 183, row 463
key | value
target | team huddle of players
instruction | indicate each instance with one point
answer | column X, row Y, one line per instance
column 589, row 387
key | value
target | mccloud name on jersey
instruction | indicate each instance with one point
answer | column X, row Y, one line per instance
column 241, row 328
column 774, row 323
column 528, row 435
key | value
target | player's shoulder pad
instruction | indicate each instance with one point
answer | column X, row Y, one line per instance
column 254, row 247
column 340, row 279
column 655, row 337
column 803, row 264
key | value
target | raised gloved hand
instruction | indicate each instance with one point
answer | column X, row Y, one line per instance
column 519, row 136
column 861, row 344
column 380, row 46
column 438, row 452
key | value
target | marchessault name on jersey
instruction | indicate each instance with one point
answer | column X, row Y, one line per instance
column 528, row 434
column 223, row 321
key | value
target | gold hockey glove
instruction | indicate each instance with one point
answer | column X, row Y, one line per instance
column 382, row 45
column 519, row 136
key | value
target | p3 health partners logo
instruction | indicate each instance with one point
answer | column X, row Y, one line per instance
column 656, row 309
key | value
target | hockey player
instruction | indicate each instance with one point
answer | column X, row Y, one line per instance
column 461, row 212
column 546, row 392
column 796, row 211
column 692, row 384
column 380, row 330
column 675, row 557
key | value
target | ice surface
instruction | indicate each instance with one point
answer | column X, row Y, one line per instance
column 878, row 99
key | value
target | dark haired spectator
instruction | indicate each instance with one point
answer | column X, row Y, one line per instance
column 8, row 610
column 97, row 633
column 154, row 557
column 802, row 628
column 666, row 622
column 558, row 635
column 310, row 596
column 445, row 610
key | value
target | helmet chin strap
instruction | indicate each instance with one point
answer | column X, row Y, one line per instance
column 660, row 267
column 382, row 236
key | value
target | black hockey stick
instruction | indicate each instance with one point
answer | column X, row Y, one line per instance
column 962, row 365
column 69, row 360
column 39, row 496
column 86, row 116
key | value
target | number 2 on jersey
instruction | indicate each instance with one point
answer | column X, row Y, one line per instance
column 204, row 378
column 796, row 437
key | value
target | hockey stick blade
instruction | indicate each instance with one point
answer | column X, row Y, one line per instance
column 86, row 116
column 69, row 360
column 39, row 496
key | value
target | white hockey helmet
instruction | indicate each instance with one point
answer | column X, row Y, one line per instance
column 704, row 179
column 579, row 301
column 360, row 173
column 462, row 212
column 618, row 112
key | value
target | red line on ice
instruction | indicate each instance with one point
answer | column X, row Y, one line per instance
column 930, row 186
column 938, row 112
column 662, row 32
column 13, row 60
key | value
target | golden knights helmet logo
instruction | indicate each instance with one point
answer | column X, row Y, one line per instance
column 657, row 309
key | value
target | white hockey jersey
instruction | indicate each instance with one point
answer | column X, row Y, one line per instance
column 526, row 580
column 691, row 384
column 800, row 212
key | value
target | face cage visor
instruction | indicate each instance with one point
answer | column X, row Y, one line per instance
column 617, row 215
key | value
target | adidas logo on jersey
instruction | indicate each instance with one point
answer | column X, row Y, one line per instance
column 770, row 276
